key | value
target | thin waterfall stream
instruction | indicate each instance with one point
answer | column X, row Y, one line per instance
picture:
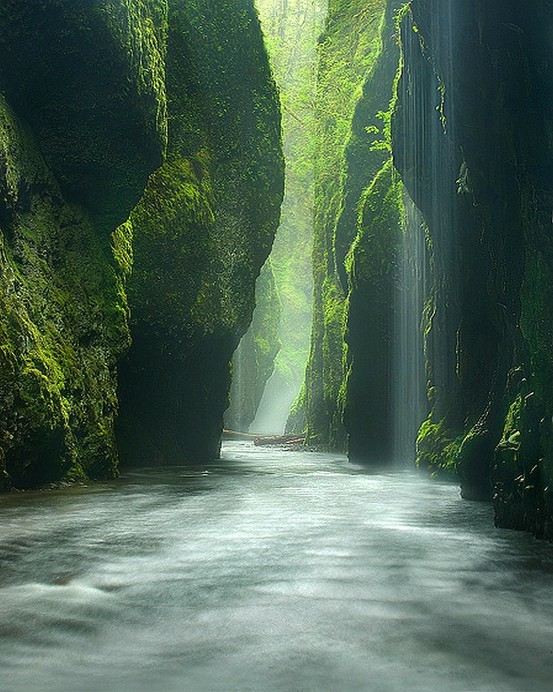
column 408, row 378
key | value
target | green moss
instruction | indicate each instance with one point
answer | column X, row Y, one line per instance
column 438, row 449
column 372, row 275
column 63, row 326
column 523, row 465
column 519, row 474
column 202, row 233
column 348, row 51
column 91, row 85
column 373, row 254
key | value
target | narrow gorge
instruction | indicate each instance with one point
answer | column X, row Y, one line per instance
column 139, row 208
column 276, row 345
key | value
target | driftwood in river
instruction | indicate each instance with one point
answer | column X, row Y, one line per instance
column 263, row 440
column 279, row 440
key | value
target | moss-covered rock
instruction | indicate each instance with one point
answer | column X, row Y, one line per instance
column 82, row 125
column 202, row 233
column 88, row 77
column 63, row 324
column 523, row 465
column 372, row 264
column 369, row 230
column 472, row 140
column 348, row 52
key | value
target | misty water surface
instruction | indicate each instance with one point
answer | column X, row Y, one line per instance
column 270, row 570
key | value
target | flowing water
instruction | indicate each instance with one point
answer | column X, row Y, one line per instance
column 409, row 402
column 269, row 570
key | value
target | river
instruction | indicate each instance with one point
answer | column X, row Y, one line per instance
column 269, row 570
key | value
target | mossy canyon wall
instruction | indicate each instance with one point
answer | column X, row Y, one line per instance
column 346, row 109
column 140, row 176
column 443, row 111
column 479, row 75
column 141, row 181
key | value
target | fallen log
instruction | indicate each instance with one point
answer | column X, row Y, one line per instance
column 264, row 440
column 275, row 440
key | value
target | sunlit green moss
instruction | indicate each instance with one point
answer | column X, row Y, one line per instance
column 91, row 135
column 438, row 449
column 349, row 48
column 64, row 326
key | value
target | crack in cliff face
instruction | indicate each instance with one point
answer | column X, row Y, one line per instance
column 269, row 365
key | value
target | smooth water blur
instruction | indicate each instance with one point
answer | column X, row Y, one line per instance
column 270, row 570
column 408, row 381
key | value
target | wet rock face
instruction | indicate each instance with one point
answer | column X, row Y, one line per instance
column 202, row 233
column 349, row 50
column 481, row 96
column 88, row 77
column 359, row 225
column 77, row 142
column 83, row 125
column 368, row 235
column 254, row 360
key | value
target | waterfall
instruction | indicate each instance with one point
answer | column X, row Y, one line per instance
column 428, row 161
column 409, row 400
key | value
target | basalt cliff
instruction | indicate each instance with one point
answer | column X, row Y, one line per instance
column 140, row 186
column 433, row 264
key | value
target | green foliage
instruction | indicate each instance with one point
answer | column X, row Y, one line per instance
column 354, row 93
column 438, row 449
column 291, row 31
